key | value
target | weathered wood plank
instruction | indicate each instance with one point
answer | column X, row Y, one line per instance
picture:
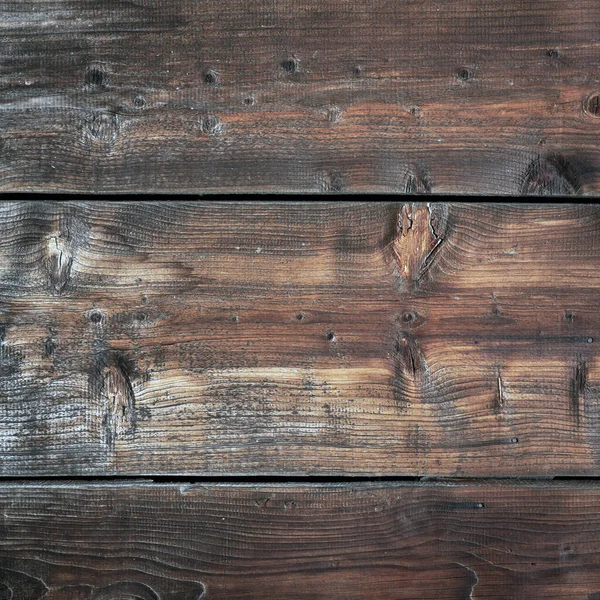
column 376, row 541
column 299, row 338
column 469, row 96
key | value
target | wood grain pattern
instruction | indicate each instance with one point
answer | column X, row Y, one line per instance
column 299, row 339
column 469, row 96
column 392, row 542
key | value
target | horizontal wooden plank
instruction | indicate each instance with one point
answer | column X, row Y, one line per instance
column 299, row 338
column 495, row 97
column 376, row 541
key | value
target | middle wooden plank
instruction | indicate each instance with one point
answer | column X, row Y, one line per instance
column 299, row 338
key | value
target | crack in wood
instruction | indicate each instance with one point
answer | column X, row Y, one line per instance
column 500, row 396
column 578, row 385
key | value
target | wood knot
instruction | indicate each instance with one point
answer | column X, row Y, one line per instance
column 61, row 247
column 332, row 182
column 409, row 368
column 59, row 262
column 591, row 105
column 126, row 590
column 211, row 77
column 133, row 590
column 417, row 181
column 420, row 232
column 96, row 317
column 103, row 127
column 464, row 74
column 17, row 584
column 334, row 114
column 96, row 78
column 50, row 345
column 290, row 65
column 211, row 125
column 410, row 319
column 6, row 592
column 110, row 382
column 551, row 176
column 408, row 356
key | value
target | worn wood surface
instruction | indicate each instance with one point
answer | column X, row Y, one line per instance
column 197, row 338
column 299, row 339
column 463, row 96
column 317, row 542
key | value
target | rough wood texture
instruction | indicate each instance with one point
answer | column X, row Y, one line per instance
column 326, row 542
column 292, row 338
column 463, row 96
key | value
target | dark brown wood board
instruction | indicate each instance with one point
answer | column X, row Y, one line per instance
column 291, row 542
column 201, row 338
column 462, row 96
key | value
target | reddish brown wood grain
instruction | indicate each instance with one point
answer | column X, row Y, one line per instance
column 471, row 96
column 299, row 339
column 380, row 541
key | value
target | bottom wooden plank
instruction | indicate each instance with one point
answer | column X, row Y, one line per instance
column 144, row 541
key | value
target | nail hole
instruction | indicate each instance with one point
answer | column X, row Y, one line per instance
column 96, row 77
column 249, row 101
column 96, row 317
column 464, row 74
column 569, row 316
column 496, row 311
column 141, row 317
column 103, row 127
column 331, row 336
column 291, row 65
column 357, row 70
column 139, row 101
column 300, row 317
column 235, row 319
column 408, row 316
column 553, row 53
column 211, row 77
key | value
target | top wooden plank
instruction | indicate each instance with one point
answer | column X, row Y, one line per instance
column 299, row 338
column 464, row 96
